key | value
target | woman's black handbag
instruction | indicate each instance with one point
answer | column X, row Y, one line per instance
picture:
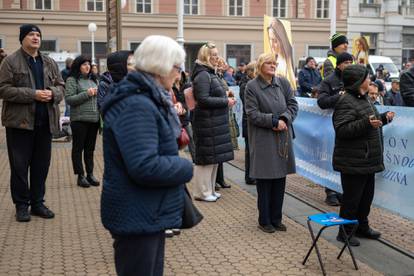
column 191, row 215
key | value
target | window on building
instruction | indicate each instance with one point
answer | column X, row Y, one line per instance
column 190, row 7
column 367, row 2
column 407, row 7
column 408, row 48
column 372, row 40
column 100, row 49
column 143, row 6
column 95, row 5
column 280, row 8
column 318, row 51
column 236, row 7
column 236, row 54
column 43, row 4
column 48, row 45
column 134, row 45
column 322, row 8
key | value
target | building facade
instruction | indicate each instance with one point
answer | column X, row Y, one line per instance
column 389, row 25
column 236, row 26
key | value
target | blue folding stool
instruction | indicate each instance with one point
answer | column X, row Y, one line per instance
column 328, row 220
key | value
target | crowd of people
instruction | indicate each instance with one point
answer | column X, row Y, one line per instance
column 145, row 103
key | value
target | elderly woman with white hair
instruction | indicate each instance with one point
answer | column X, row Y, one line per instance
column 144, row 178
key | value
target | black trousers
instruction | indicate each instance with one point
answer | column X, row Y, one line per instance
column 83, row 141
column 220, row 174
column 246, row 159
column 357, row 197
column 28, row 150
column 270, row 195
column 140, row 255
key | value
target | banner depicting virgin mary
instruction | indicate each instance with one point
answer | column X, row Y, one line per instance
column 278, row 41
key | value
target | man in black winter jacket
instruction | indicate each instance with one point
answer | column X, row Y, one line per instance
column 331, row 88
column 407, row 86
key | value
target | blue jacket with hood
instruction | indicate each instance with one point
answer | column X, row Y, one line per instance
column 143, row 184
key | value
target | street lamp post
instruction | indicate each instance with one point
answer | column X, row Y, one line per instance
column 92, row 28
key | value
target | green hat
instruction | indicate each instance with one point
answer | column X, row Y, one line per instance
column 338, row 39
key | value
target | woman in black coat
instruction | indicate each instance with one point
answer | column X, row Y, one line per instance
column 358, row 152
column 210, row 124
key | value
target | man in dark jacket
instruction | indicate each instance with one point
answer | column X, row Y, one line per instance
column 330, row 90
column 339, row 45
column 393, row 96
column 31, row 88
column 358, row 152
column 241, row 73
column 407, row 86
column 309, row 78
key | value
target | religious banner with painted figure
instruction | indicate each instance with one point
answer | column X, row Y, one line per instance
column 360, row 49
column 278, row 40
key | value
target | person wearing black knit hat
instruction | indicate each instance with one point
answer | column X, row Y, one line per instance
column 358, row 152
column 330, row 90
column 118, row 68
column 339, row 44
column 30, row 115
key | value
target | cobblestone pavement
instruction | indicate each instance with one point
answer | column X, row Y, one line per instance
column 227, row 242
column 395, row 229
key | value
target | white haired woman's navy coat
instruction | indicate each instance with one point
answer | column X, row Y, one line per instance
column 143, row 187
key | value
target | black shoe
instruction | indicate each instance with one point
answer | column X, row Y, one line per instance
column 368, row 234
column 92, row 180
column 42, row 211
column 280, row 227
column 250, row 181
column 267, row 228
column 224, row 185
column 332, row 200
column 83, row 182
column 352, row 241
column 22, row 214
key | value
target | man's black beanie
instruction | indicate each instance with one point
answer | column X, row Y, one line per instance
column 353, row 76
column 25, row 29
column 344, row 57
column 338, row 39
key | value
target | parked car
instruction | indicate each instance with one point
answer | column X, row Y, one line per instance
column 388, row 65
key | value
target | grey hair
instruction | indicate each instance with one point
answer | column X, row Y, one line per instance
column 157, row 54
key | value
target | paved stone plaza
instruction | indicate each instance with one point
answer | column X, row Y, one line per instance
column 227, row 242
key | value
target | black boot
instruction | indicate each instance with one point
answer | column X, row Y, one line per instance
column 352, row 241
column 92, row 180
column 368, row 233
column 331, row 197
column 83, row 182
column 22, row 213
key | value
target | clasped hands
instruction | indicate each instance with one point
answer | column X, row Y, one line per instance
column 281, row 126
column 43, row 95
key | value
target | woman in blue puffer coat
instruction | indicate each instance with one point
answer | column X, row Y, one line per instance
column 143, row 186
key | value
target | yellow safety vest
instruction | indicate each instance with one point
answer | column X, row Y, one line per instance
column 333, row 61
